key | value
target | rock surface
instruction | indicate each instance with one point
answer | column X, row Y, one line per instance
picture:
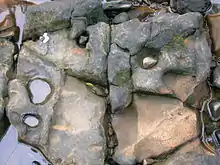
column 77, row 121
column 88, row 63
column 184, row 6
column 155, row 126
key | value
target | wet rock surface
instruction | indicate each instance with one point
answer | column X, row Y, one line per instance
column 88, row 89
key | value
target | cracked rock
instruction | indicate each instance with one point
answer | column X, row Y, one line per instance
column 6, row 62
column 155, row 125
column 55, row 15
column 190, row 56
column 89, row 63
column 119, row 77
column 77, row 121
column 134, row 35
column 29, row 68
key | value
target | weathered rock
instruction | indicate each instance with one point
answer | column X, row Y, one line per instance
column 6, row 61
column 192, row 159
column 122, row 17
column 31, row 67
column 77, row 121
column 184, row 6
column 155, row 126
column 116, row 5
column 56, row 15
column 78, row 27
column 120, row 98
column 187, row 56
column 134, row 35
column 119, row 76
column 216, row 77
column 88, row 63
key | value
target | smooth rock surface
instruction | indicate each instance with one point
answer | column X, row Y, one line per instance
column 77, row 121
column 88, row 63
column 155, row 125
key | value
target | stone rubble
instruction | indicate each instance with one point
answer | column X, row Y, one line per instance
column 120, row 90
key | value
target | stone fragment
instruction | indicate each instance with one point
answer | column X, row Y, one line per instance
column 216, row 77
column 149, row 62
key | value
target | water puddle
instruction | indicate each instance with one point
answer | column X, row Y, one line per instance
column 39, row 90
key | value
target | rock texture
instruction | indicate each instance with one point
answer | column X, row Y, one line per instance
column 77, row 121
column 155, row 126
column 6, row 61
column 184, row 6
column 89, row 63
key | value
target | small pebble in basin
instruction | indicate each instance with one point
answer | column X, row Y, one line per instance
column 39, row 90
column 31, row 120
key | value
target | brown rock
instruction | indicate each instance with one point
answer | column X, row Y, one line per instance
column 151, row 126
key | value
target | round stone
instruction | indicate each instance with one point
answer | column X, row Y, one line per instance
column 31, row 120
column 149, row 62
column 39, row 89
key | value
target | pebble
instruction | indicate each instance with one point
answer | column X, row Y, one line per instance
column 122, row 17
column 39, row 89
column 214, row 110
column 149, row 62
column 31, row 120
column 83, row 40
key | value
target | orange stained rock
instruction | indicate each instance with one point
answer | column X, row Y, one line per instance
column 78, row 51
column 214, row 26
column 61, row 127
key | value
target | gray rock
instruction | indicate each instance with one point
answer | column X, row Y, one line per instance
column 77, row 121
column 191, row 56
column 184, row 6
column 31, row 120
column 31, row 67
column 122, row 17
column 192, row 159
column 216, row 77
column 120, row 98
column 57, row 14
column 119, row 77
column 115, row 5
column 88, row 63
column 134, row 35
column 6, row 61
column 78, row 27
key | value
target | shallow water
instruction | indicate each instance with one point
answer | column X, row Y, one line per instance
column 39, row 89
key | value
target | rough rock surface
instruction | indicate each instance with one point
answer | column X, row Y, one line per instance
column 192, row 159
column 122, row 17
column 155, row 126
column 89, row 63
column 55, row 15
column 77, row 121
column 6, row 61
column 184, row 6
column 119, row 77
column 29, row 68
